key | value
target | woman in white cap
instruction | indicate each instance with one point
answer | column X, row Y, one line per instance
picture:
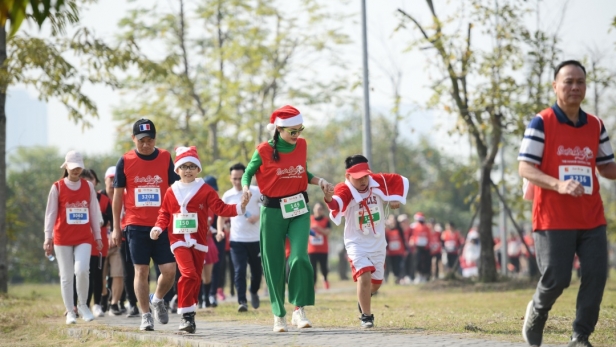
column 71, row 222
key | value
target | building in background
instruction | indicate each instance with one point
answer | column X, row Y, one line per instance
column 26, row 123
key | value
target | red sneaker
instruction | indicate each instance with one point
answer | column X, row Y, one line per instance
column 325, row 284
column 221, row 294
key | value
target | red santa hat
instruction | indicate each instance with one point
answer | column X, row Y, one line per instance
column 419, row 217
column 286, row 116
column 186, row 155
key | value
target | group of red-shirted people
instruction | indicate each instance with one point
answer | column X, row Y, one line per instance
column 161, row 211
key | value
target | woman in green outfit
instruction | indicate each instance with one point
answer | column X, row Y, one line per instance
column 281, row 172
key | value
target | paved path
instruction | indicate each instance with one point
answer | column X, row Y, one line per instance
column 236, row 333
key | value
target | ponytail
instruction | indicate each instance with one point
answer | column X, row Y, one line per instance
column 275, row 155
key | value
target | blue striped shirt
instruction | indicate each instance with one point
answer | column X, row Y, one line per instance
column 531, row 149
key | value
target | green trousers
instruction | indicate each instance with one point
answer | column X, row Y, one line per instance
column 274, row 231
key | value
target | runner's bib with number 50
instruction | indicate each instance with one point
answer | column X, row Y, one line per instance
column 77, row 215
column 147, row 197
column 185, row 223
column 293, row 206
column 582, row 174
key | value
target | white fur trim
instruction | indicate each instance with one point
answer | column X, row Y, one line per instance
column 184, row 160
column 197, row 246
column 271, row 127
column 289, row 122
column 389, row 198
column 337, row 219
column 192, row 308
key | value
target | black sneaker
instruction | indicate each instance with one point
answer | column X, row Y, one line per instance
column 133, row 311
column 254, row 300
column 579, row 341
column 367, row 321
column 122, row 307
column 114, row 310
column 243, row 307
column 534, row 322
column 105, row 303
column 187, row 323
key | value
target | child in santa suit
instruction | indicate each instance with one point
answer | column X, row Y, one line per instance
column 184, row 214
column 361, row 200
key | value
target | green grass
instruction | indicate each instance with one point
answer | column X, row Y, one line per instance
column 31, row 315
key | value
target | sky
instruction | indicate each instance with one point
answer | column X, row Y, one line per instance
column 585, row 26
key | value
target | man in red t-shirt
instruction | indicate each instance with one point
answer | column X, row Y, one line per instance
column 142, row 177
column 562, row 150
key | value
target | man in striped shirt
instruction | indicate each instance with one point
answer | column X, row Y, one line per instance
column 562, row 150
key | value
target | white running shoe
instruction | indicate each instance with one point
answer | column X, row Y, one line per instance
column 299, row 319
column 85, row 313
column 280, row 324
column 97, row 311
column 70, row 317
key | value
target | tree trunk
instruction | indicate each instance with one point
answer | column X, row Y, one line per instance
column 4, row 272
column 487, row 263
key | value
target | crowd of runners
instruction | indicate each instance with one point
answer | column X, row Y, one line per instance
column 155, row 209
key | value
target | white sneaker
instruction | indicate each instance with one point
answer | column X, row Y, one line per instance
column 70, row 318
column 85, row 313
column 97, row 311
column 280, row 324
column 299, row 319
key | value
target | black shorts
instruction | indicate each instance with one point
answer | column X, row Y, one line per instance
column 142, row 247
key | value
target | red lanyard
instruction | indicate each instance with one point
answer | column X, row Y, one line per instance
column 365, row 206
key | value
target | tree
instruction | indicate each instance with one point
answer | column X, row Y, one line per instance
column 479, row 86
column 43, row 64
column 14, row 11
column 226, row 64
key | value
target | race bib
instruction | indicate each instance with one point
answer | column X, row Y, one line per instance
column 394, row 245
column 147, row 197
column 317, row 240
column 451, row 246
column 582, row 174
column 363, row 219
column 293, row 206
column 421, row 241
column 185, row 223
column 77, row 215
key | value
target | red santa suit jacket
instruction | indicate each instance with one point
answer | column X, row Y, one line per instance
column 196, row 197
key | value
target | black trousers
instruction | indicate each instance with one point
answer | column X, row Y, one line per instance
column 242, row 255
column 555, row 252
column 321, row 260
column 129, row 274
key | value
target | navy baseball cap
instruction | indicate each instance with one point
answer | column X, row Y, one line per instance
column 211, row 181
column 144, row 127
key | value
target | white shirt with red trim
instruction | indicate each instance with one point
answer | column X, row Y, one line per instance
column 352, row 204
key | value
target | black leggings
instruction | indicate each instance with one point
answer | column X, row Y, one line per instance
column 320, row 258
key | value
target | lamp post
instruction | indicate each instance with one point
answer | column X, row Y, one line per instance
column 367, row 137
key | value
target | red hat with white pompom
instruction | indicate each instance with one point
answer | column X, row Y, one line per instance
column 286, row 116
column 186, row 155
